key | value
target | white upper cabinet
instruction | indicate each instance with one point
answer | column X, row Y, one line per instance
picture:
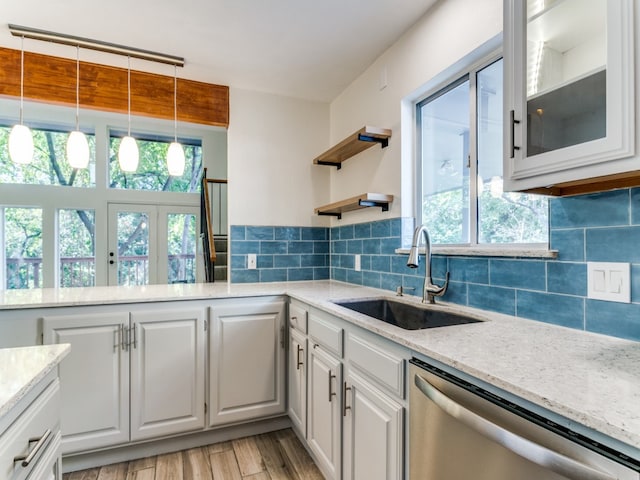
column 568, row 95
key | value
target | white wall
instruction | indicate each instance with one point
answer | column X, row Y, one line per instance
column 447, row 32
column 272, row 141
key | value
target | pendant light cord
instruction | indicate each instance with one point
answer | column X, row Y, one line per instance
column 175, row 103
column 129, row 95
column 77, row 87
column 21, row 78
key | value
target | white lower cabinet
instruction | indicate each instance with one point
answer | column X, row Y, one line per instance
column 129, row 376
column 246, row 359
column 373, row 432
column 297, row 381
column 324, row 428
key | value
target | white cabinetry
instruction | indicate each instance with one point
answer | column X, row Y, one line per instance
column 569, row 95
column 247, row 359
column 129, row 378
column 297, row 380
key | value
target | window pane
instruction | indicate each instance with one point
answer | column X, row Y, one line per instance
column 23, row 247
column 152, row 173
column 49, row 165
column 133, row 248
column 444, row 132
column 76, row 245
column 182, row 248
column 502, row 217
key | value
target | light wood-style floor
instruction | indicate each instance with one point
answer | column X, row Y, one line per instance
column 271, row 456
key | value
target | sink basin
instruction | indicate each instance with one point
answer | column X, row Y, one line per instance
column 405, row 315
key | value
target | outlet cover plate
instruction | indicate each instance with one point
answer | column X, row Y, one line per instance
column 609, row 281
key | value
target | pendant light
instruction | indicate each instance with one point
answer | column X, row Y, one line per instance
column 128, row 151
column 175, row 155
column 20, row 138
column 77, row 145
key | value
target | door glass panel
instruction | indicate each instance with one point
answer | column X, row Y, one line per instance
column 133, row 248
column 23, row 247
column 76, row 243
column 181, row 248
column 566, row 73
column 444, row 130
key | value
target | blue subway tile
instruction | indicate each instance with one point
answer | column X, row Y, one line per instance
column 241, row 247
column 354, row 246
column 399, row 264
column 390, row 281
column 594, row 210
column 354, row 277
column 381, row 229
column 635, row 283
column 260, row 233
column 527, row 274
column 496, row 299
column 381, row 263
column 569, row 244
column 612, row 318
column 339, row 274
column 273, row 275
column 321, row 246
column 346, row 232
column 362, row 230
column 569, row 278
column 334, row 233
column 371, row 279
column 551, row 308
column 388, row 245
column 300, row 247
column 456, row 293
column 315, row 233
column 365, row 262
column 396, row 225
column 321, row 273
column 264, row 261
column 613, row 244
column 273, row 247
column 339, row 246
column 635, row 206
column 347, row 261
column 299, row 274
column 473, row 270
column 413, row 285
column 439, row 266
column 371, row 246
column 287, row 233
column 238, row 232
column 313, row 260
column 238, row 262
column 245, row 276
column 286, row 261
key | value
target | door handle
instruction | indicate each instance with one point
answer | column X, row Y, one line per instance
column 331, row 392
column 42, row 441
column 546, row 458
column 298, row 362
column 344, row 400
column 512, row 122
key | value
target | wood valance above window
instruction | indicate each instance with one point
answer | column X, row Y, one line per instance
column 53, row 80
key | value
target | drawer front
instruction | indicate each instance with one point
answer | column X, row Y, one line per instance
column 41, row 416
column 380, row 366
column 298, row 318
column 326, row 334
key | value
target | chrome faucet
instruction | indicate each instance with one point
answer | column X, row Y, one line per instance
column 430, row 290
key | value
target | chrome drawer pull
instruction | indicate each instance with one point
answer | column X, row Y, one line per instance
column 298, row 362
column 331, row 392
column 42, row 441
column 345, row 407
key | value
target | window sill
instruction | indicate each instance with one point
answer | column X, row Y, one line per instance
column 488, row 251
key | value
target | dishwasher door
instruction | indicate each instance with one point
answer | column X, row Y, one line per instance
column 458, row 431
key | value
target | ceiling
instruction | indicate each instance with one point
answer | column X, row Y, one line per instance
column 299, row 48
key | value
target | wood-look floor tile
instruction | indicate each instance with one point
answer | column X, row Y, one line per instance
column 169, row 466
column 142, row 463
column 299, row 462
column 248, row 456
column 90, row 474
column 143, row 474
column 258, row 476
column 225, row 466
column 271, row 452
column 219, row 447
column 196, row 464
column 115, row 471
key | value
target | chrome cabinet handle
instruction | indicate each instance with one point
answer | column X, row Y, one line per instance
column 298, row 362
column 42, row 441
column 549, row 459
column 123, row 344
column 512, row 123
column 331, row 393
column 135, row 336
column 344, row 400
column 282, row 336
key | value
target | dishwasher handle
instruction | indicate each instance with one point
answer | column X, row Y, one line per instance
column 527, row 449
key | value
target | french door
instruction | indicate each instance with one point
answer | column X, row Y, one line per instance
column 152, row 244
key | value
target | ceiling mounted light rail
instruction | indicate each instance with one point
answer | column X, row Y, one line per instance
column 61, row 38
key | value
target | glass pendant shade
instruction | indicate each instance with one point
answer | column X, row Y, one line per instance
column 128, row 154
column 21, row 144
column 77, row 150
column 175, row 159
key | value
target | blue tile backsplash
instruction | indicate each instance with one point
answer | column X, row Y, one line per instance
column 597, row 227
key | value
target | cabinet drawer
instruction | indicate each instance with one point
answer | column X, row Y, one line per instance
column 326, row 334
column 39, row 417
column 298, row 318
column 380, row 366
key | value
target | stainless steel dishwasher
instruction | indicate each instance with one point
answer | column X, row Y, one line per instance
column 459, row 431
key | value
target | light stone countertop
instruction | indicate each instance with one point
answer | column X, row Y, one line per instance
column 22, row 368
column 590, row 379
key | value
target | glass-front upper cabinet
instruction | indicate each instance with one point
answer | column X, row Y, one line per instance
column 569, row 92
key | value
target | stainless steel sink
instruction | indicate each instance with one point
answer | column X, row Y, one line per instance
column 405, row 315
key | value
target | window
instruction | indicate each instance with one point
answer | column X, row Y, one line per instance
column 22, row 232
column 76, row 248
column 460, row 163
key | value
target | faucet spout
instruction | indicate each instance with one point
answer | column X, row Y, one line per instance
column 430, row 291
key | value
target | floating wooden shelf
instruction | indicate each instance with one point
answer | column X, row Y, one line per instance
column 364, row 138
column 361, row 201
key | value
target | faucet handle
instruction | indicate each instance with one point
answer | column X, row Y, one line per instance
column 438, row 291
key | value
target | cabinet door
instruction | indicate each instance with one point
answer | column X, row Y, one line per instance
column 247, row 361
column 94, row 378
column 167, row 372
column 373, row 432
column 568, row 90
column 298, row 381
column 324, row 434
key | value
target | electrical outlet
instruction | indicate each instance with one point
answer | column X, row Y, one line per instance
column 357, row 262
column 609, row 281
column 252, row 261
